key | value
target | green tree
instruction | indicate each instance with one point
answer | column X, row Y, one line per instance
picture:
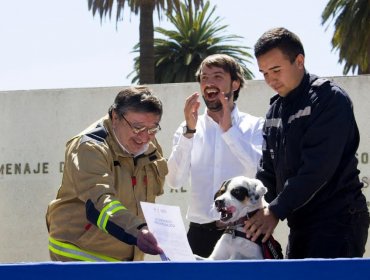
column 352, row 33
column 179, row 53
column 146, row 30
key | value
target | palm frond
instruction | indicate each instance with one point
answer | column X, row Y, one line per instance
column 352, row 33
column 179, row 52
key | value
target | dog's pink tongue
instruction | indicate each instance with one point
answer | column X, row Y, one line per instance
column 231, row 209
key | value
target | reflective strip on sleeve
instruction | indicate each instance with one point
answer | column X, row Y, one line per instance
column 73, row 252
column 107, row 211
column 276, row 122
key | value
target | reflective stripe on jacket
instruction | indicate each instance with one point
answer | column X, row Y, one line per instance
column 97, row 207
column 73, row 252
column 309, row 164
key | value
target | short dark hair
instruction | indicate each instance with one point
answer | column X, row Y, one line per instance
column 228, row 64
column 282, row 39
column 136, row 99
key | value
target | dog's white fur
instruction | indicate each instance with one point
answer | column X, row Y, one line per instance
column 251, row 197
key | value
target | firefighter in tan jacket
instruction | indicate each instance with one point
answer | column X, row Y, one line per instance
column 109, row 168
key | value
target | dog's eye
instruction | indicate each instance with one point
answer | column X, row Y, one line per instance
column 240, row 193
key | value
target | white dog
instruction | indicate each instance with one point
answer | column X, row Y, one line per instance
column 237, row 200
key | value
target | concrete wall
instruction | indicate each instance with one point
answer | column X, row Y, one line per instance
column 36, row 124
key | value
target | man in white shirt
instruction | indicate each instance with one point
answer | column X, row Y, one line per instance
column 213, row 147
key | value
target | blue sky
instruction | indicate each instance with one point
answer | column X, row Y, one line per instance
column 58, row 44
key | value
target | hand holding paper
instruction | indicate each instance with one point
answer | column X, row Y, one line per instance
column 147, row 242
column 166, row 224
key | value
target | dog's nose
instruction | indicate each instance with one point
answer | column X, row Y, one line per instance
column 219, row 203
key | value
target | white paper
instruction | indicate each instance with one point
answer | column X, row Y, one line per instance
column 167, row 226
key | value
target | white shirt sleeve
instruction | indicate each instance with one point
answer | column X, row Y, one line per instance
column 247, row 148
column 179, row 160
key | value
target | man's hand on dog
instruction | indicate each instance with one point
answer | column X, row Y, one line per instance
column 263, row 222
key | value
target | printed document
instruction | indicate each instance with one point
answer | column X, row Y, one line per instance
column 167, row 226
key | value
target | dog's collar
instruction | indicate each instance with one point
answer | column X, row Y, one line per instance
column 241, row 220
column 238, row 233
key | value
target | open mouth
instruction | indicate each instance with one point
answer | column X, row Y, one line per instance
column 226, row 213
column 211, row 93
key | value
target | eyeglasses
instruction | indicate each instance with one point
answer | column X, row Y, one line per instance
column 137, row 130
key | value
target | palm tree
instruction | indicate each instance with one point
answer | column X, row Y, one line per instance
column 352, row 33
column 146, row 29
column 180, row 52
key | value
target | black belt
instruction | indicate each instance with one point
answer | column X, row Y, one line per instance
column 209, row 226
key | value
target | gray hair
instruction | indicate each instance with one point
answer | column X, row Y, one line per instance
column 136, row 99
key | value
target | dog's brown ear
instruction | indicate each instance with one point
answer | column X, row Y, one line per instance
column 222, row 189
